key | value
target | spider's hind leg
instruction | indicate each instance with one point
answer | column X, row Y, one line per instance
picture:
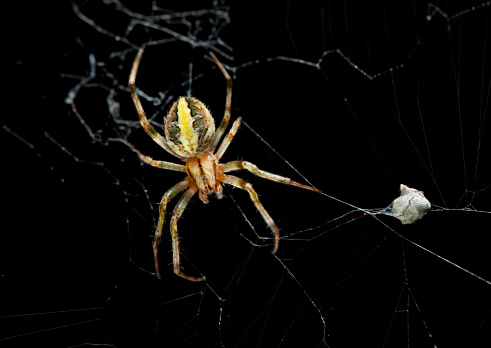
column 228, row 101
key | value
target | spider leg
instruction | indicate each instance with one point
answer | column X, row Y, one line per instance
column 242, row 184
column 228, row 102
column 171, row 193
column 228, row 139
column 160, row 164
column 237, row 165
column 178, row 210
column 151, row 131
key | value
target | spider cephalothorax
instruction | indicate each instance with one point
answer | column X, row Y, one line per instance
column 204, row 171
column 190, row 135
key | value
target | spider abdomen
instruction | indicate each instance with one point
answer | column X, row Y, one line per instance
column 189, row 127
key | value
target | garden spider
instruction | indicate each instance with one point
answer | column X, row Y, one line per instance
column 190, row 136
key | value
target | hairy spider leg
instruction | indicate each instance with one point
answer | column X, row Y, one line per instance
column 244, row 185
column 160, row 164
column 237, row 182
column 228, row 139
column 151, row 131
column 191, row 187
column 178, row 210
column 166, row 198
column 238, row 165
column 228, row 102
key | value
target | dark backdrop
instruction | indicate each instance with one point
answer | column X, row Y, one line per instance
column 403, row 100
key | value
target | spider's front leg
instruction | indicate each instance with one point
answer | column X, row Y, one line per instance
column 242, row 184
column 171, row 193
column 178, row 210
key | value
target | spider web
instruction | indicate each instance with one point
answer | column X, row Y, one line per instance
column 352, row 100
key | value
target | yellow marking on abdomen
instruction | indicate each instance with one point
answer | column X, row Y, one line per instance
column 188, row 137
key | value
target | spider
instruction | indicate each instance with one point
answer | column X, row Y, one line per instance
column 190, row 135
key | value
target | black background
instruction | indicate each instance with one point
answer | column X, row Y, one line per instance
column 76, row 257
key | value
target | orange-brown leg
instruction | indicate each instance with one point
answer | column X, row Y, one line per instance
column 178, row 210
column 160, row 164
column 237, row 165
column 228, row 102
column 228, row 139
column 171, row 193
column 241, row 183
column 151, row 131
